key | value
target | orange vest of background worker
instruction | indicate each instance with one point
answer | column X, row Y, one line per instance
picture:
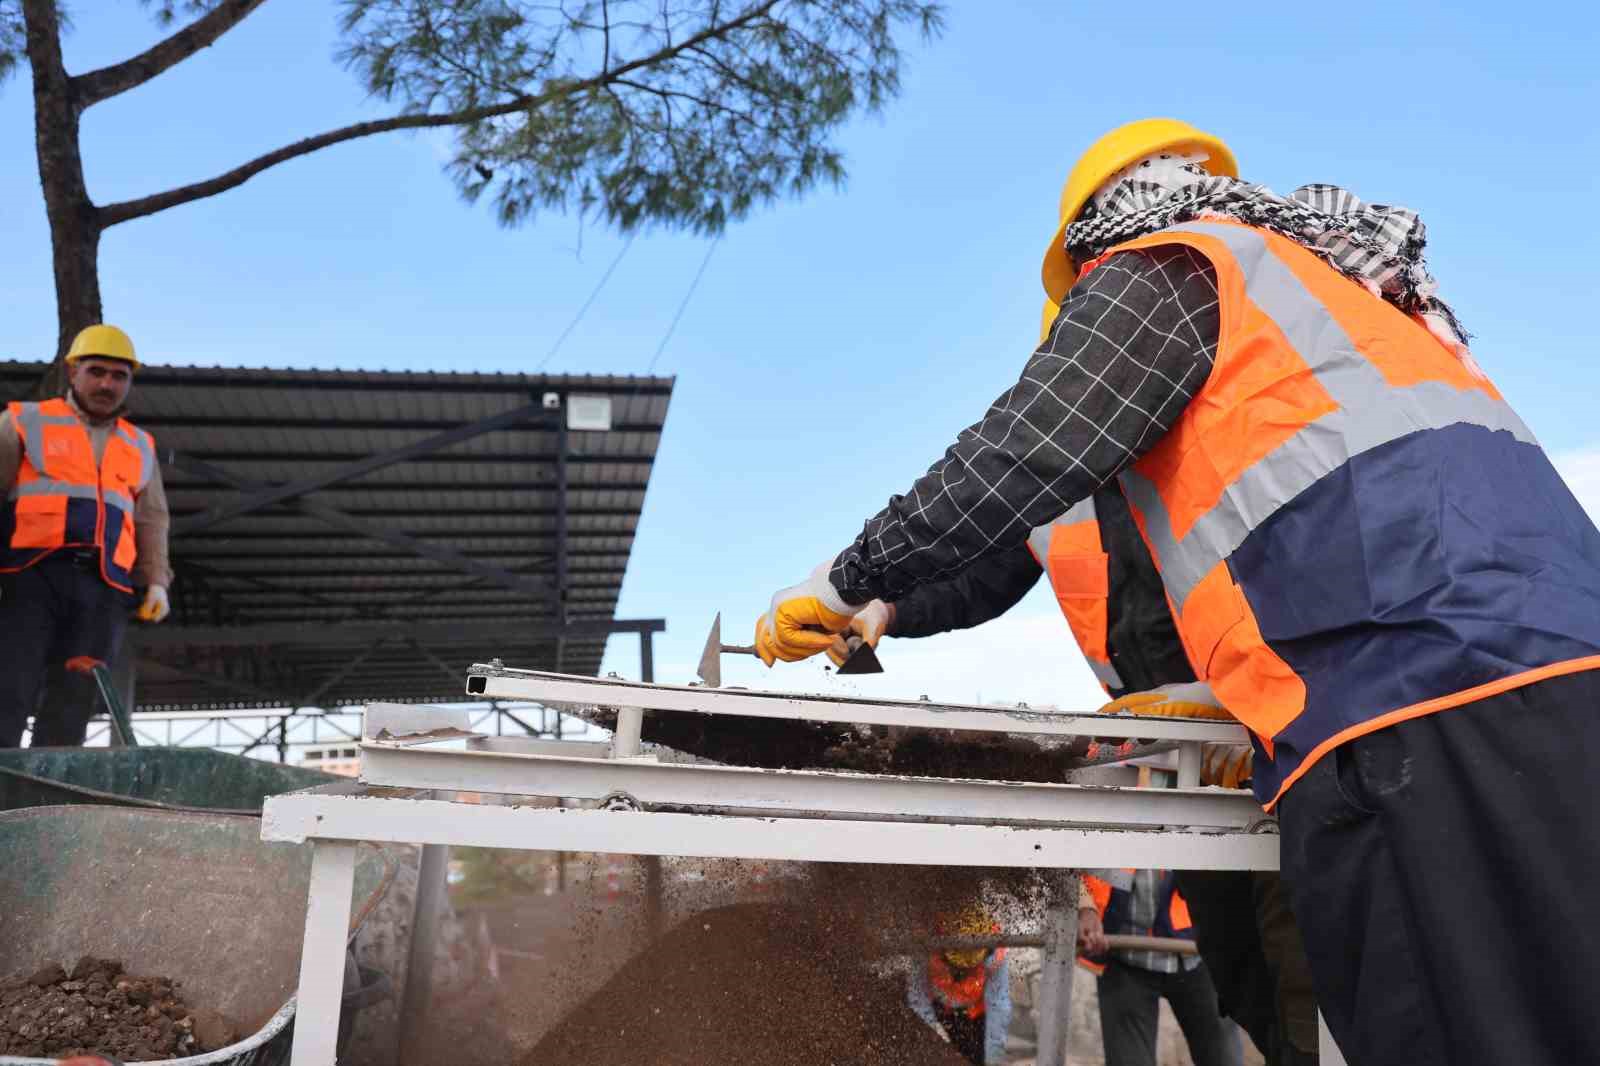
column 63, row 498
column 83, row 502
column 1112, row 894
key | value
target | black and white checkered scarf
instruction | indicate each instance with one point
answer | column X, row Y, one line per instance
column 1378, row 246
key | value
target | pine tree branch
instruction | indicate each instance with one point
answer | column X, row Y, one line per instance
column 111, row 214
column 126, row 210
column 97, row 85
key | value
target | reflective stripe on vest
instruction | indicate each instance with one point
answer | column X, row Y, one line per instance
column 64, row 498
column 1370, row 411
column 1327, row 398
column 1074, row 559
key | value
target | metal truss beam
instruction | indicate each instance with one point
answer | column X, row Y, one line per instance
column 455, row 514
column 302, row 458
column 254, row 499
column 442, row 486
column 412, row 425
column 444, row 556
column 155, row 669
column 387, row 383
column 485, row 634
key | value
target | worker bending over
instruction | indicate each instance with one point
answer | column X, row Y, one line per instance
column 1367, row 556
column 84, row 523
column 966, row 991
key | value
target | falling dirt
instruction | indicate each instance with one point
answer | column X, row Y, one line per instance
column 774, row 984
column 98, row 1008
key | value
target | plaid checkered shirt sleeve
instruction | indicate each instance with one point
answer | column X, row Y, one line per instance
column 1133, row 343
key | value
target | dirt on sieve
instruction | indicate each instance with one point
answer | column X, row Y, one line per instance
column 773, row 984
column 788, row 744
column 99, row 1008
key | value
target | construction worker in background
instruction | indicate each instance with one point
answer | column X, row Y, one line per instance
column 84, row 524
column 1368, row 557
column 966, row 991
column 1133, row 982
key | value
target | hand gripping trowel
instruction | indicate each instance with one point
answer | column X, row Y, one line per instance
column 861, row 659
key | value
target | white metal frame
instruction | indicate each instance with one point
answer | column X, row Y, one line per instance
column 412, row 754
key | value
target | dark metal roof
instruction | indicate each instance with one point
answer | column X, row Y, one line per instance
column 492, row 499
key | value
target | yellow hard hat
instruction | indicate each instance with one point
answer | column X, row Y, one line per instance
column 971, row 920
column 1117, row 149
column 103, row 342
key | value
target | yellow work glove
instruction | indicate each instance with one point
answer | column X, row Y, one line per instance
column 1191, row 700
column 1228, row 765
column 803, row 619
column 155, row 606
column 870, row 624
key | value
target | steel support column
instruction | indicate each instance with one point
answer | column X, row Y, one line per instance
column 432, row 897
column 647, row 655
column 562, row 558
column 1055, row 975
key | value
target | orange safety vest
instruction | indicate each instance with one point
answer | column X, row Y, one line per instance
column 1070, row 552
column 963, row 994
column 62, row 499
column 1352, row 529
column 1114, row 900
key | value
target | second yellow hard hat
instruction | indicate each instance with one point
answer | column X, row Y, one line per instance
column 1117, row 149
column 104, row 342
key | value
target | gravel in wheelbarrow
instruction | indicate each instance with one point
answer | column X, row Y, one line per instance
column 99, row 1008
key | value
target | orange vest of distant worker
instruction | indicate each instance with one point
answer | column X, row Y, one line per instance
column 63, row 500
column 963, row 994
column 1351, row 527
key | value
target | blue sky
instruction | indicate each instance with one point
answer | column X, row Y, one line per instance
column 836, row 345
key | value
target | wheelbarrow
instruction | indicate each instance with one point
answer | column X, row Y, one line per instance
column 194, row 897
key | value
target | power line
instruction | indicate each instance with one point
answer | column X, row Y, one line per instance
column 698, row 274
column 551, row 354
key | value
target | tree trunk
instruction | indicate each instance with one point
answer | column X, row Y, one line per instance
column 74, row 221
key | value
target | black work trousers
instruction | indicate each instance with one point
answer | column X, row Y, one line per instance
column 1248, row 939
column 1130, row 1009
column 56, row 612
column 1443, row 872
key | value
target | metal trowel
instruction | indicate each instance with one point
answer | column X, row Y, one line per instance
column 860, row 660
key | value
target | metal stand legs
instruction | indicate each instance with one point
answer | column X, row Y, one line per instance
column 1055, row 975
column 316, row 1023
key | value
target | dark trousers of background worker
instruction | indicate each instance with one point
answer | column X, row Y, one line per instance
column 1130, row 1009
column 1443, row 873
column 967, row 1034
column 1247, row 936
column 55, row 612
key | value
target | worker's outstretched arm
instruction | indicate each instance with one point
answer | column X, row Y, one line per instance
column 1133, row 343
column 980, row 593
column 983, row 591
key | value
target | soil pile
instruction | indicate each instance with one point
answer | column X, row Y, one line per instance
column 776, row 985
column 98, row 1008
